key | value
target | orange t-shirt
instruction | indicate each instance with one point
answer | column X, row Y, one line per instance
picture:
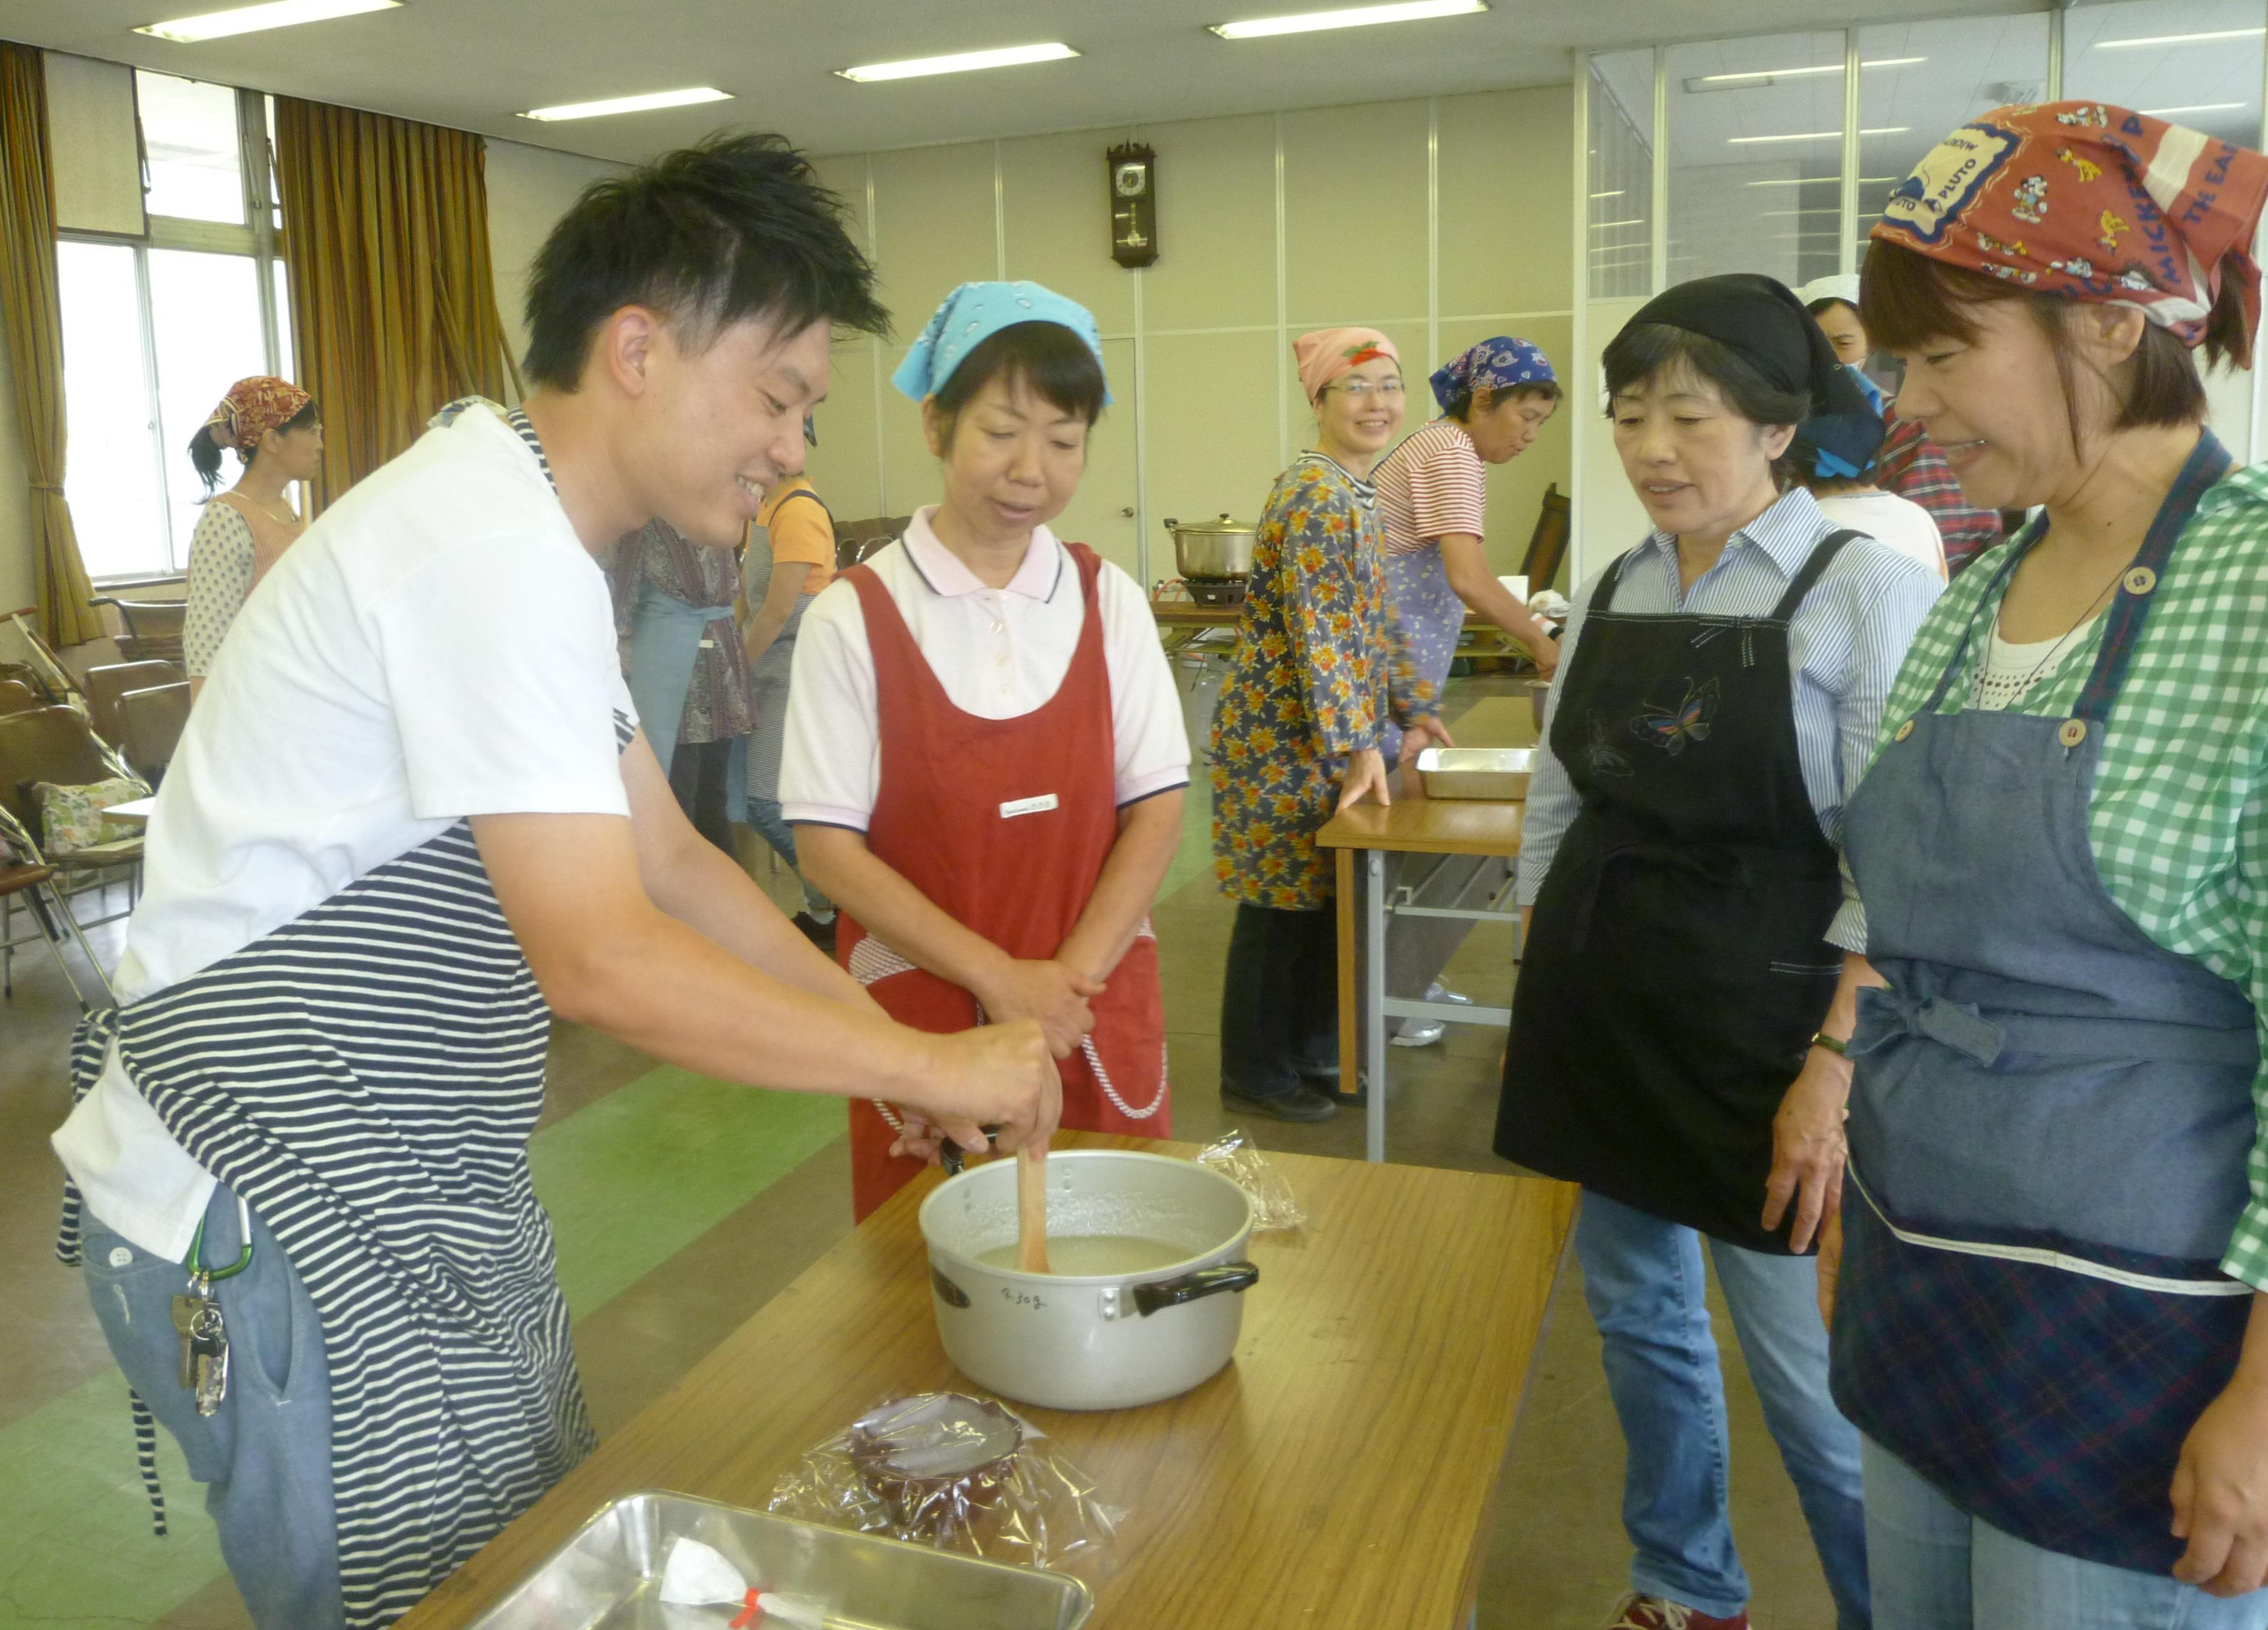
column 800, row 532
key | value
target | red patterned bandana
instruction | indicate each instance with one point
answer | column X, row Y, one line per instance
column 253, row 407
column 2093, row 203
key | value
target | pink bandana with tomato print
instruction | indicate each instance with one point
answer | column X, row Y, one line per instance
column 2092, row 202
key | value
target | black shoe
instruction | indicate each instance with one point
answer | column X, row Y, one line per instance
column 821, row 934
column 1297, row 1103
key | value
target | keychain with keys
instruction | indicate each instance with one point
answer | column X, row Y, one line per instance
column 197, row 1317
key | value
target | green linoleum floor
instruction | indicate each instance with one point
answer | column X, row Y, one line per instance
column 629, row 1180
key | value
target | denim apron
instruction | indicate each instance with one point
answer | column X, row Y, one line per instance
column 666, row 639
column 755, row 766
column 2049, row 1127
column 1676, row 968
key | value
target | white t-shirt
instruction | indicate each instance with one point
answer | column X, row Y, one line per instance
column 439, row 645
column 1902, row 524
column 999, row 654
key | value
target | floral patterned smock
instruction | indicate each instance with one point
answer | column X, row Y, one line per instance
column 1320, row 666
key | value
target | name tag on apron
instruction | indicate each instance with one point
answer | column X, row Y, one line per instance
column 1015, row 806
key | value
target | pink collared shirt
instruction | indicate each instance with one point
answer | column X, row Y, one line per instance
column 998, row 652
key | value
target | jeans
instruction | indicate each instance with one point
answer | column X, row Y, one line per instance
column 265, row 1457
column 763, row 818
column 1643, row 1280
column 1936, row 1568
column 697, row 775
column 1280, row 1000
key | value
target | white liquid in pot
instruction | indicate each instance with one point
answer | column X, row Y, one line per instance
column 1095, row 1253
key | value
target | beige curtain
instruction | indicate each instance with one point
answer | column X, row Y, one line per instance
column 385, row 230
column 33, row 320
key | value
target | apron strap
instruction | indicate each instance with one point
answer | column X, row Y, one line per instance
column 2131, row 608
column 1822, row 555
column 1605, row 599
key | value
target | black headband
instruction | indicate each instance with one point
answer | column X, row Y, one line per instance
column 1762, row 319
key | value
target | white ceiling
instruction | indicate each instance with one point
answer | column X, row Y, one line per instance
column 473, row 63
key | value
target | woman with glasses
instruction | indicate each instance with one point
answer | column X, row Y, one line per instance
column 1321, row 672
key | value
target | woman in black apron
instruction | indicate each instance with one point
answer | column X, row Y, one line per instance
column 2050, row 1325
column 1722, row 684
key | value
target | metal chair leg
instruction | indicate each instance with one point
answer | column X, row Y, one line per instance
column 61, row 907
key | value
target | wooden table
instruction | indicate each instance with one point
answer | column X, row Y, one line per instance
column 1413, row 824
column 1341, row 1474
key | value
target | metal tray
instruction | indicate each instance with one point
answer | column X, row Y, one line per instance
column 609, row 1577
column 1497, row 772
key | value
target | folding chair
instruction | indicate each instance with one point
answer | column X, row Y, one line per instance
column 1547, row 545
column 106, row 684
column 57, row 745
column 46, row 668
column 154, row 627
column 16, row 696
column 34, row 881
column 150, row 727
column 856, row 539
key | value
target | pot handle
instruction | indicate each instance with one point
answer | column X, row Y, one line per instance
column 1204, row 1282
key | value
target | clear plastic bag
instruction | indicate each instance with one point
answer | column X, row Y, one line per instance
column 956, row 1470
column 1236, row 1157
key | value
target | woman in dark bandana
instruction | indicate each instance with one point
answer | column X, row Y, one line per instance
column 1720, row 691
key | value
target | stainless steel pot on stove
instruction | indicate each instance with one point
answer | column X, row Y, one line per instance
column 1095, row 1342
column 1211, row 549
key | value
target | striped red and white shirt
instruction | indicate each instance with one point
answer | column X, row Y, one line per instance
column 1431, row 485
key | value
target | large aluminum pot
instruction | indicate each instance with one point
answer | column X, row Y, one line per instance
column 1100, row 1341
column 1211, row 549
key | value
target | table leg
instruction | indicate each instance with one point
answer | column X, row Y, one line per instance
column 1373, row 997
column 1350, row 1013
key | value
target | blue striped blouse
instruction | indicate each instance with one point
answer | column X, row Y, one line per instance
column 1845, row 646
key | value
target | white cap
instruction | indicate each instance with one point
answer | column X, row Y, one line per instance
column 1844, row 288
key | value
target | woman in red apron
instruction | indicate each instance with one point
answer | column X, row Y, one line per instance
column 985, row 755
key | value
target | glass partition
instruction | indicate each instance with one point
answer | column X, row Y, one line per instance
column 1620, row 209
column 1756, row 156
column 1919, row 81
column 2194, row 61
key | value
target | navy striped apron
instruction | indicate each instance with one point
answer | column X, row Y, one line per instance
column 367, row 1076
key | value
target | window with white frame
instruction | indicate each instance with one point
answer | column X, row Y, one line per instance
column 156, row 328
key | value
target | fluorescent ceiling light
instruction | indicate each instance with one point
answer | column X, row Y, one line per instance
column 1617, row 193
column 1769, row 75
column 1821, row 180
column 2194, row 108
column 1816, row 136
column 1355, row 16
column 651, row 100
column 1635, row 220
column 2218, row 34
column 248, row 19
column 919, row 67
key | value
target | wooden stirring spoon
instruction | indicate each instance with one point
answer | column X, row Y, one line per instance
column 1031, row 1209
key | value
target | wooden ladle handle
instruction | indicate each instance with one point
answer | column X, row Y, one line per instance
column 1031, row 1209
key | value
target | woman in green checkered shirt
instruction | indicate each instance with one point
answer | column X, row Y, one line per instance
column 2051, row 1329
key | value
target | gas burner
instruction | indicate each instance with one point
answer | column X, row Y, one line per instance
column 1215, row 591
